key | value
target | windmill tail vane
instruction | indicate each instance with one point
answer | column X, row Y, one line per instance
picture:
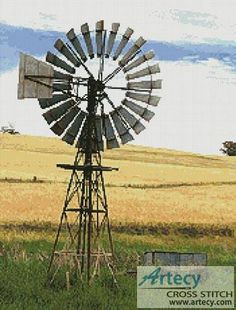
column 81, row 107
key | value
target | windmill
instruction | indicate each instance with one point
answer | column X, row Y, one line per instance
column 78, row 87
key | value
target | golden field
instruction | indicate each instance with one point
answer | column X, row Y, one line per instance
column 151, row 186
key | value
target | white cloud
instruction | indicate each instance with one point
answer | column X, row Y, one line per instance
column 196, row 113
column 166, row 20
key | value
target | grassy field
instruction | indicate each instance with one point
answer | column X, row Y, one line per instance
column 159, row 200
column 24, row 261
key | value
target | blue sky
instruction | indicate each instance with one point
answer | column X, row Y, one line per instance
column 14, row 39
column 194, row 42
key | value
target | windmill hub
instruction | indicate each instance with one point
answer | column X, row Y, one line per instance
column 95, row 93
column 100, row 86
column 96, row 85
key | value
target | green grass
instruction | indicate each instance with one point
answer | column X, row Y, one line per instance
column 23, row 287
column 24, row 257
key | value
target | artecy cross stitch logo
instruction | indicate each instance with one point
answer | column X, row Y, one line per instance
column 185, row 287
column 167, row 280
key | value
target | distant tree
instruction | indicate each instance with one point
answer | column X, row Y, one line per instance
column 229, row 148
column 10, row 128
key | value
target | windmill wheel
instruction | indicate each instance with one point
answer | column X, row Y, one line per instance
column 117, row 66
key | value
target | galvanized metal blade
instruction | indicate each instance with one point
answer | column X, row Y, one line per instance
column 58, row 62
column 118, row 122
column 109, row 133
column 111, row 39
column 137, row 45
column 144, row 113
column 64, row 50
column 46, row 103
column 112, row 144
column 127, row 137
column 134, row 123
column 147, row 56
column 76, row 43
column 149, row 99
column 87, row 38
column 133, row 106
column 147, row 71
column 61, row 86
column 61, row 76
column 125, row 38
column 122, row 130
column 60, row 126
column 99, row 37
column 73, row 130
column 145, row 85
column 55, row 113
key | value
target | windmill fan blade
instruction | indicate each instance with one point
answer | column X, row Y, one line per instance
column 109, row 133
column 86, row 34
column 123, row 42
column 147, row 71
column 112, row 37
column 144, row 113
column 139, row 61
column 99, row 35
column 76, row 43
column 134, row 123
column 61, row 76
column 122, row 130
column 46, row 103
column 59, row 127
column 144, row 85
column 55, row 113
column 152, row 100
column 61, row 86
column 137, row 45
column 72, row 132
column 64, row 50
column 56, row 61
column 98, row 128
column 112, row 144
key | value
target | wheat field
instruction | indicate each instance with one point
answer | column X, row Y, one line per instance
column 151, row 186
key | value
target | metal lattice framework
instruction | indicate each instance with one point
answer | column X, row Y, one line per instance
column 80, row 102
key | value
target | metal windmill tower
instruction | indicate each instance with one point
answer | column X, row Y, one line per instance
column 80, row 100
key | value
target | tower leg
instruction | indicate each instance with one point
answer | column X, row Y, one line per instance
column 83, row 241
